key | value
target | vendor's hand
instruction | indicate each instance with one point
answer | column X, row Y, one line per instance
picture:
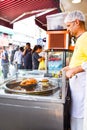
column 70, row 73
column 65, row 68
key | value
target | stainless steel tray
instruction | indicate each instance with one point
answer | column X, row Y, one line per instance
column 14, row 87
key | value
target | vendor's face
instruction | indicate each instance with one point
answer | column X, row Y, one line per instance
column 72, row 28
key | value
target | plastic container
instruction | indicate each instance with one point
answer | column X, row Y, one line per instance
column 56, row 21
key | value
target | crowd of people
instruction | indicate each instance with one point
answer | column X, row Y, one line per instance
column 23, row 57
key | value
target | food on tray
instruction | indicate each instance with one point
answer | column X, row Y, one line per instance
column 44, row 80
column 45, row 83
column 31, row 86
column 27, row 82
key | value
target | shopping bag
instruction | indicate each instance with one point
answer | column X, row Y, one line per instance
column 42, row 65
column 12, row 70
column 0, row 72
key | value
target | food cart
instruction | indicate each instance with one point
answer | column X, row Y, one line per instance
column 31, row 110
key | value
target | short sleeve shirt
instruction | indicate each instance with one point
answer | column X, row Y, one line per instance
column 28, row 59
column 4, row 54
column 35, row 62
column 80, row 52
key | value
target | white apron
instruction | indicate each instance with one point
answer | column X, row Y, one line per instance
column 77, row 87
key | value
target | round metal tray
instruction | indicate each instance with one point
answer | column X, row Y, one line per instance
column 38, row 89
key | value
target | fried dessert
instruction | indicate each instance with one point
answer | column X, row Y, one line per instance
column 28, row 82
column 44, row 80
column 45, row 83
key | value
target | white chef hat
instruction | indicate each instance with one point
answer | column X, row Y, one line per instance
column 72, row 16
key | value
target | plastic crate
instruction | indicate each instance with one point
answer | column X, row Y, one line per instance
column 56, row 21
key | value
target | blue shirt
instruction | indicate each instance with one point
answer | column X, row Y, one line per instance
column 35, row 62
column 28, row 60
column 4, row 55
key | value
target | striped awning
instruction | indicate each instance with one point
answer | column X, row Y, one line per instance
column 15, row 10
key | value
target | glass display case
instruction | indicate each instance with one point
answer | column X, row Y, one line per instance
column 57, row 59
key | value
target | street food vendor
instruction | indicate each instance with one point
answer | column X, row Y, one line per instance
column 75, row 22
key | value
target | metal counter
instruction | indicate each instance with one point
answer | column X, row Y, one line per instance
column 27, row 112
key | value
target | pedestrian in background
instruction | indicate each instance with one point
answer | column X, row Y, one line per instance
column 36, row 58
column 27, row 53
column 12, row 50
column 18, row 58
column 4, row 62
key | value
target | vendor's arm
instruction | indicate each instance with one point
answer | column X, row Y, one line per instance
column 73, row 71
column 66, row 68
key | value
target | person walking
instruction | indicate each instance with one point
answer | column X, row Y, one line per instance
column 75, row 22
column 4, row 62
